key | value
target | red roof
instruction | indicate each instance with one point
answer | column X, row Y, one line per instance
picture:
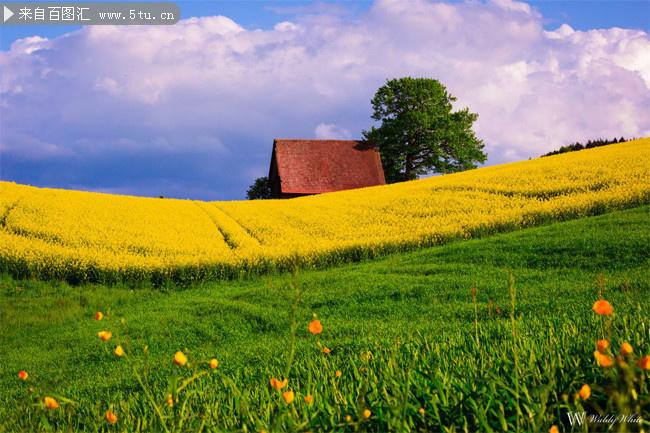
column 317, row 166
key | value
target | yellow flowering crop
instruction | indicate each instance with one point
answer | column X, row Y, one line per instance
column 84, row 236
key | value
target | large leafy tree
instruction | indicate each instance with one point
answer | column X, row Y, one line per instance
column 419, row 131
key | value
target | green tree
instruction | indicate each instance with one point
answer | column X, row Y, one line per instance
column 419, row 132
column 260, row 189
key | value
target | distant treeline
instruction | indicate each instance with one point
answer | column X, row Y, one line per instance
column 579, row 146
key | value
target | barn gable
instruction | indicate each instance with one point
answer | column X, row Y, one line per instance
column 303, row 167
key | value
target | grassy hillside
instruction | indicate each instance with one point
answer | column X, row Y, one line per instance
column 89, row 237
column 412, row 346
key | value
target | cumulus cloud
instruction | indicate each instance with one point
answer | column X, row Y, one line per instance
column 191, row 110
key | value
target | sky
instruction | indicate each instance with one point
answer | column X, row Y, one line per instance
column 191, row 110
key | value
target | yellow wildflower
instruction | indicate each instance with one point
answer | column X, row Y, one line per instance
column 51, row 403
column 278, row 384
column 110, row 417
column 602, row 345
column 603, row 360
column 288, row 396
column 644, row 363
column 180, row 359
column 603, row 307
column 626, row 349
column 315, row 327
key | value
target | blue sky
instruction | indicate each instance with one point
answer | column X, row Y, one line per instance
column 191, row 110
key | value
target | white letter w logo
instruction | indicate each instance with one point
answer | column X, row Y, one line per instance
column 576, row 417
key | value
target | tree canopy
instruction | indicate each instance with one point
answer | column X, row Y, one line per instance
column 590, row 144
column 419, row 131
column 260, row 189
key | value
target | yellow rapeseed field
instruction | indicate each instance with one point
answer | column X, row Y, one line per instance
column 83, row 236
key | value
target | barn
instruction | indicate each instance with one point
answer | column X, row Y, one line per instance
column 306, row 167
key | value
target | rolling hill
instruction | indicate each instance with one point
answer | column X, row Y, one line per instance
column 92, row 237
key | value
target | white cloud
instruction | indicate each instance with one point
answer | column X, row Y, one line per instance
column 329, row 131
column 29, row 45
column 286, row 26
column 209, row 87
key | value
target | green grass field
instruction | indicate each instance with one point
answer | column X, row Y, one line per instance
column 404, row 331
